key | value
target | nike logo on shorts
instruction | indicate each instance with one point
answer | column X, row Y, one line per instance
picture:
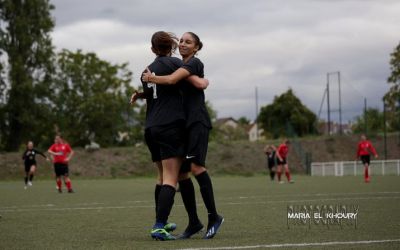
column 190, row 157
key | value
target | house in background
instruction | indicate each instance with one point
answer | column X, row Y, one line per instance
column 254, row 132
column 232, row 129
column 227, row 122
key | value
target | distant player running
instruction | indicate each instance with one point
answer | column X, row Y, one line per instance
column 62, row 153
column 270, row 152
column 281, row 154
column 29, row 158
column 364, row 150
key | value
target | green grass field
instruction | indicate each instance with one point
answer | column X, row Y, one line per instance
column 118, row 214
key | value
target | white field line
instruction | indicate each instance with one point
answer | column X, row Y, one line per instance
column 220, row 199
column 311, row 244
column 16, row 209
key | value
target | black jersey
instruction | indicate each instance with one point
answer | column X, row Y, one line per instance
column 271, row 159
column 193, row 98
column 164, row 102
column 29, row 155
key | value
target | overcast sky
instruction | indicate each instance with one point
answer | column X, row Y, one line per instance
column 272, row 45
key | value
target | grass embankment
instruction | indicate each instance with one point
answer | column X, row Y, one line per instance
column 224, row 158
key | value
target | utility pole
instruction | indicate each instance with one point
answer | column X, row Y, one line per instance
column 384, row 129
column 328, row 104
column 340, row 106
column 365, row 116
column 256, row 120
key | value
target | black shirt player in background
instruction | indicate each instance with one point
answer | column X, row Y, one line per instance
column 164, row 129
column 198, row 125
column 29, row 158
column 270, row 152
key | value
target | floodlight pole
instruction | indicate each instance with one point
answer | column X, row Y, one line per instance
column 256, row 120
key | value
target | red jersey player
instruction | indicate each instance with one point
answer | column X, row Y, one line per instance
column 61, row 153
column 281, row 154
column 364, row 150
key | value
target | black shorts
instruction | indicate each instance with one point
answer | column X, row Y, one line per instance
column 61, row 169
column 28, row 165
column 365, row 159
column 283, row 162
column 196, row 145
column 166, row 141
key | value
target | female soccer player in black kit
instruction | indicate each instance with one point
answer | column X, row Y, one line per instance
column 164, row 129
column 270, row 152
column 198, row 125
column 29, row 158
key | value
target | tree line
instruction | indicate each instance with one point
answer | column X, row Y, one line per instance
column 83, row 97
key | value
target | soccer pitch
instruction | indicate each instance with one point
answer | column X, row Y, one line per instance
column 119, row 213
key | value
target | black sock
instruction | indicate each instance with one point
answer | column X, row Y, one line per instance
column 156, row 194
column 26, row 180
column 272, row 174
column 165, row 202
column 207, row 193
column 189, row 200
column 31, row 177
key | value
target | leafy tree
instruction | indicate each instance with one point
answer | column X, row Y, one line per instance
column 91, row 98
column 374, row 120
column 392, row 97
column 26, row 53
column 243, row 121
column 287, row 111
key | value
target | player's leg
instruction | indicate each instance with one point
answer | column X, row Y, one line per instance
column 31, row 174
column 58, row 173
column 170, row 139
column 206, row 189
column 287, row 173
column 166, row 198
column 279, row 172
column 68, row 184
column 366, row 160
column 272, row 172
column 189, row 201
column 159, row 182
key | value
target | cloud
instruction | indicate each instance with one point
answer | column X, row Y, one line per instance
column 272, row 45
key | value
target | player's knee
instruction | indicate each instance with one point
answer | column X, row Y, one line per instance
column 196, row 169
column 183, row 176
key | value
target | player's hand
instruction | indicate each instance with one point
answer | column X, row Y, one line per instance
column 135, row 96
column 376, row 156
column 146, row 75
column 206, row 83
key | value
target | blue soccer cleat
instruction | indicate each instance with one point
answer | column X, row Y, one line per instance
column 169, row 227
column 213, row 228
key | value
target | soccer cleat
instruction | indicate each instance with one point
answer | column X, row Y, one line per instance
column 281, row 182
column 213, row 228
column 161, row 234
column 59, row 190
column 71, row 191
column 191, row 230
column 169, row 227
column 291, row 181
column 29, row 183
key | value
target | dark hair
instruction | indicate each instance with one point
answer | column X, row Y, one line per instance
column 196, row 39
column 164, row 43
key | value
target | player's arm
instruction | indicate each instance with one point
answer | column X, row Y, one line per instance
column 279, row 155
column 373, row 151
column 42, row 154
column 137, row 95
column 198, row 82
column 71, row 153
column 24, row 155
column 175, row 77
